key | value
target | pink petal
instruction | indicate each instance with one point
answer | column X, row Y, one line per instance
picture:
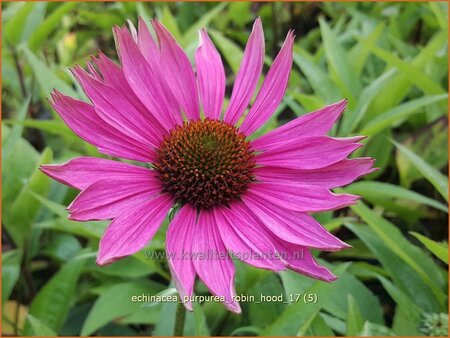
column 299, row 259
column 316, row 123
column 332, row 176
column 106, row 199
column 144, row 81
column 178, row 72
column 147, row 45
column 244, row 235
column 82, row 172
column 212, row 262
column 113, row 76
column 151, row 52
column 299, row 197
column 291, row 226
column 272, row 89
column 84, row 121
column 309, row 152
column 179, row 239
column 133, row 229
column 248, row 74
column 132, row 29
column 210, row 76
column 117, row 111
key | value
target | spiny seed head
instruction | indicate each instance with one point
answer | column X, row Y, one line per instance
column 205, row 163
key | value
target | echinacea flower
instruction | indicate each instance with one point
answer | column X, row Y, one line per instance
column 232, row 194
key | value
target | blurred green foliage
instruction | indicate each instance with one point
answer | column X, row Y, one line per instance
column 389, row 59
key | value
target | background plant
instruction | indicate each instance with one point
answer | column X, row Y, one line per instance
column 389, row 59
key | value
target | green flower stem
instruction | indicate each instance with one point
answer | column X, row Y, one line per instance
column 180, row 316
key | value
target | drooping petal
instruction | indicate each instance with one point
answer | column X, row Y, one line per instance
column 178, row 72
column 132, row 230
column 291, row 226
column 210, row 76
column 316, row 123
column 179, row 239
column 106, row 199
column 117, row 111
column 212, row 262
column 248, row 74
column 272, row 89
column 243, row 235
column 309, row 152
column 144, row 81
column 84, row 121
column 299, row 259
column 82, row 172
column 335, row 175
column 299, row 197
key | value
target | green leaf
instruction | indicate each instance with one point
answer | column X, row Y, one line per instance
column 116, row 302
column 263, row 313
column 440, row 250
column 192, row 33
column 201, row 326
column 399, row 113
column 46, row 77
column 39, row 328
column 317, row 327
column 245, row 331
column 408, row 252
column 169, row 21
column 10, row 272
column 404, row 276
column 166, row 322
column 413, row 74
column 56, row 208
column 317, row 78
column 399, row 86
column 355, row 320
column 334, row 323
column 352, row 118
column 402, row 299
column 13, row 29
column 339, row 60
column 434, row 176
column 232, row 52
column 51, row 23
column 379, row 147
column 16, row 169
column 428, row 143
column 373, row 191
column 129, row 266
column 371, row 329
column 92, row 230
column 295, row 315
column 10, row 142
column 54, row 127
column 62, row 247
column 104, row 20
column 33, row 20
column 51, row 305
column 440, row 11
column 358, row 54
column 25, row 208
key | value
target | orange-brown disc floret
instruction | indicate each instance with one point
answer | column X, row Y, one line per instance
column 205, row 163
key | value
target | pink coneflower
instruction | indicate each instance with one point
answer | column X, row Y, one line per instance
column 231, row 194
